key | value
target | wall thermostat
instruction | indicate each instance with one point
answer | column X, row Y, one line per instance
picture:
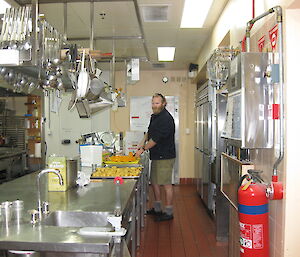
column 165, row 79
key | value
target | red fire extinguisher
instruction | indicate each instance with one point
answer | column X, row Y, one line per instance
column 253, row 216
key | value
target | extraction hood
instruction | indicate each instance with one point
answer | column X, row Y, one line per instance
column 86, row 108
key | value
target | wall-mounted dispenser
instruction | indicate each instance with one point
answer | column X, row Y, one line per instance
column 249, row 122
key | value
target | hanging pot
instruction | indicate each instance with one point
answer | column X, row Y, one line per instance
column 96, row 86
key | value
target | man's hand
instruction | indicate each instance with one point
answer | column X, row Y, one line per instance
column 139, row 152
column 143, row 142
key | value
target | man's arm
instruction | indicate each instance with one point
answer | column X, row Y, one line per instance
column 143, row 141
column 147, row 146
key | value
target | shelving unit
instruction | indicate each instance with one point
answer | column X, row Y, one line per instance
column 33, row 130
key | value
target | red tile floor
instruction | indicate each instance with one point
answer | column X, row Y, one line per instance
column 190, row 234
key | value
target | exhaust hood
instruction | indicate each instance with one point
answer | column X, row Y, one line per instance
column 86, row 108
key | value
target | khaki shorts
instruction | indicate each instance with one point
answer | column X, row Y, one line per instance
column 162, row 171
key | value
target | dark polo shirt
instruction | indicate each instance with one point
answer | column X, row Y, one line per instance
column 162, row 131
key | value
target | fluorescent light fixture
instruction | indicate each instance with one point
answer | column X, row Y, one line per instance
column 166, row 54
column 3, row 6
column 195, row 13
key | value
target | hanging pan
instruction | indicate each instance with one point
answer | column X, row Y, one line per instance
column 83, row 79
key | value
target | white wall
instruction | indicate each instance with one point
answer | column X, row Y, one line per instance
column 234, row 18
column 292, row 206
column 283, row 213
column 68, row 125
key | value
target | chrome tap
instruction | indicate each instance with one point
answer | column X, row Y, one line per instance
column 61, row 182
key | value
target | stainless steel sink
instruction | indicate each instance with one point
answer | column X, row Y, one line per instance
column 76, row 219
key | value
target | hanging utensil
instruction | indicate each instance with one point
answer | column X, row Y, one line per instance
column 26, row 29
column 14, row 29
column 31, row 87
column 20, row 26
column 96, row 86
column 73, row 101
column 17, row 22
column 83, row 79
column 5, row 25
column 9, row 25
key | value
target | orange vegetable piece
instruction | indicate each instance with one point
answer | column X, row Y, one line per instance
column 123, row 158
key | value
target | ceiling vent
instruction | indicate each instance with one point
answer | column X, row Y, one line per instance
column 155, row 13
column 158, row 65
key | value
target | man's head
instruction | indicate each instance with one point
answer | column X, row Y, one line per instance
column 158, row 103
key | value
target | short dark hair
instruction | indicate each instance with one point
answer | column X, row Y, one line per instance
column 161, row 96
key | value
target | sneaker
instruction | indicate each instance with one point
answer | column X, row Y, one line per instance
column 153, row 212
column 164, row 216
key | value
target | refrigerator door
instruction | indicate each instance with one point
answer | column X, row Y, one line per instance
column 206, row 121
column 220, row 143
column 199, row 127
column 205, row 177
column 198, row 171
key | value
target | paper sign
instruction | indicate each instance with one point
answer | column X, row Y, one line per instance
column 273, row 36
column 261, row 43
column 132, row 139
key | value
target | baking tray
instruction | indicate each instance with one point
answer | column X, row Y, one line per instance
column 132, row 177
column 118, row 163
column 124, row 165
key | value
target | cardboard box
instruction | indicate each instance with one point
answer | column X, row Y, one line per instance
column 57, row 163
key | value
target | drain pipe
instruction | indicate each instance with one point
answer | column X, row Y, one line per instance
column 281, row 91
column 251, row 23
column 275, row 190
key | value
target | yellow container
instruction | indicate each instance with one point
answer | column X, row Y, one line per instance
column 57, row 163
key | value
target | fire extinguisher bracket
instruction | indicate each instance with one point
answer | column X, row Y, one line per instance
column 275, row 191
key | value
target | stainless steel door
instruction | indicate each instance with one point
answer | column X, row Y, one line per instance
column 198, row 170
column 206, row 121
column 205, row 177
column 199, row 127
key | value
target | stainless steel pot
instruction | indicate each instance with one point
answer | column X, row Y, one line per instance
column 72, row 170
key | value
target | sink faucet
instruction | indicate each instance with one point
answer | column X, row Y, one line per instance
column 61, row 182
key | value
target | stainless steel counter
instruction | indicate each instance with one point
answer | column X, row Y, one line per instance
column 96, row 197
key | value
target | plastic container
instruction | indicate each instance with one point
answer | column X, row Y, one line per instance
column 17, row 209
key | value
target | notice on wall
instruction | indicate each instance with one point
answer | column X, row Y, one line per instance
column 273, row 33
column 261, row 43
column 140, row 113
column 141, row 110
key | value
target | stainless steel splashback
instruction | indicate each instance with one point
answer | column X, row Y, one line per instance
column 249, row 109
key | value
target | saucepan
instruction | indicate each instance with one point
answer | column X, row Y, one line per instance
column 96, row 86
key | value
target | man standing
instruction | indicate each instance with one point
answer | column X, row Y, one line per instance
column 160, row 141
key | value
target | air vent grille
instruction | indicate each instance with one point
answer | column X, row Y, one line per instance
column 155, row 13
column 158, row 65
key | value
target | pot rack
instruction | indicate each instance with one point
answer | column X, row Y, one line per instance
column 92, row 38
column 30, row 60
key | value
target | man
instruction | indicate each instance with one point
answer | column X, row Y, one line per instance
column 159, row 140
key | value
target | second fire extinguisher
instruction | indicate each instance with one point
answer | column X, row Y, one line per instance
column 253, row 216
